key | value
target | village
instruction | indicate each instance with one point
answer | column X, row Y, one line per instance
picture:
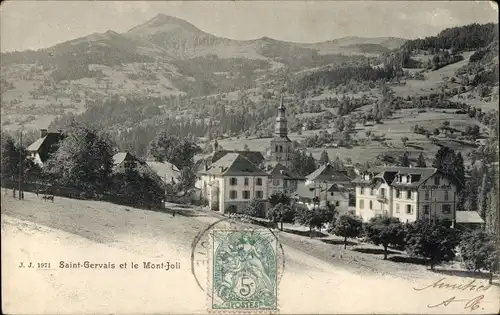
column 184, row 158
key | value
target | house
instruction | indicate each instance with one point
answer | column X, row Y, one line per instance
column 42, row 148
column 326, row 185
column 167, row 171
column 407, row 193
column 283, row 179
column 124, row 161
column 233, row 181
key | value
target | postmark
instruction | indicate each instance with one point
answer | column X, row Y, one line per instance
column 243, row 270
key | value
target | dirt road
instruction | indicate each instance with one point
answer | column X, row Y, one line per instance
column 104, row 234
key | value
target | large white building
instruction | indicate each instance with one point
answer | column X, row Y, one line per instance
column 407, row 193
column 233, row 181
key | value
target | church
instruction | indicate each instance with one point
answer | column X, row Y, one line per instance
column 230, row 178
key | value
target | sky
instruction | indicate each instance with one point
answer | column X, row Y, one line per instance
column 39, row 24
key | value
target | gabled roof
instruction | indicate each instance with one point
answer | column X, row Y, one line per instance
column 164, row 169
column 255, row 157
column 122, row 156
column 326, row 173
column 46, row 145
column 419, row 175
column 282, row 172
column 235, row 164
column 468, row 217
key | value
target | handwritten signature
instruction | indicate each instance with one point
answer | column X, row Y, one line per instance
column 472, row 304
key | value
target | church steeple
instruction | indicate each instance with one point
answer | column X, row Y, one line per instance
column 281, row 128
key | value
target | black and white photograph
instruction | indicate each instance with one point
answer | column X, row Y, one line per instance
column 249, row 157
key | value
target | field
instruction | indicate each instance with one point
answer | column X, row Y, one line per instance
column 400, row 125
column 433, row 80
column 72, row 230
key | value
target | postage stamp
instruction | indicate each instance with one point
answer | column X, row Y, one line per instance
column 243, row 272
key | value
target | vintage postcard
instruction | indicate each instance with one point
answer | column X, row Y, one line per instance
column 249, row 157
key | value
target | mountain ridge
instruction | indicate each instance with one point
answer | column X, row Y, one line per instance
column 173, row 38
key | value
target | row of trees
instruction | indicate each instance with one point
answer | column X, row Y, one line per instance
column 434, row 240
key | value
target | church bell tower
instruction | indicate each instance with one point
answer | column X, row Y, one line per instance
column 281, row 145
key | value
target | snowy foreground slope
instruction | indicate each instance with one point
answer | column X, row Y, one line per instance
column 308, row 284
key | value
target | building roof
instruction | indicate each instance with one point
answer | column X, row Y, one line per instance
column 282, row 172
column 389, row 174
column 122, row 156
column 255, row 157
column 326, row 173
column 46, row 145
column 468, row 217
column 235, row 164
column 164, row 169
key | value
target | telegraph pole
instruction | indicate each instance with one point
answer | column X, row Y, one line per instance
column 20, row 164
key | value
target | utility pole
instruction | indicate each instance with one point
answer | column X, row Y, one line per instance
column 20, row 164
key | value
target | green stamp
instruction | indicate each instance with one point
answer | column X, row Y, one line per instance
column 244, row 270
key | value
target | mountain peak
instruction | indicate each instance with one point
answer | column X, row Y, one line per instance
column 164, row 22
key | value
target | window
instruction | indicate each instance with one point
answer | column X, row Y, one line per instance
column 276, row 182
column 337, row 203
column 276, row 148
column 409, row 209
column 372, row 191
column 281, row 148
column 233, row 194
column 233, row 181
column 361, row 190
column 436, row 180
column 246, row 194
column 426, row 195
column 259, row 181
column 259, row 194
column 446, row 196
column 361, row 203
column 446, row 209
column 246, row 181
column 371, row 205
column 397, row 208
column 382, row 192
column 426, row 209
column 408, row 194
column 331, row 193
column 397, row 193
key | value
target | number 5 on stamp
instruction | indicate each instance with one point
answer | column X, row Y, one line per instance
column 243, row 271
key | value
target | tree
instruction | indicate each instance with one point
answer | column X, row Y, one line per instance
column 84, row 159
column 324, row 159
column 256, row 208
column 302, row 164
column 178, row 151
column 404, row 160
column 281, row 213
column 385, row 231
column 279, row 197
column 187, row 179
column 348, row 226
column 246, row 148
column 480, row 250
column 313, row 218
column 421, row 160
column 404, row 140
column 434, row 240
column 337, row 164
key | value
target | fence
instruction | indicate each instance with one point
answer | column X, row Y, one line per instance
column 73, row 193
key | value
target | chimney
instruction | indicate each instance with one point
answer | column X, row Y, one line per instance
column 43, row 133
